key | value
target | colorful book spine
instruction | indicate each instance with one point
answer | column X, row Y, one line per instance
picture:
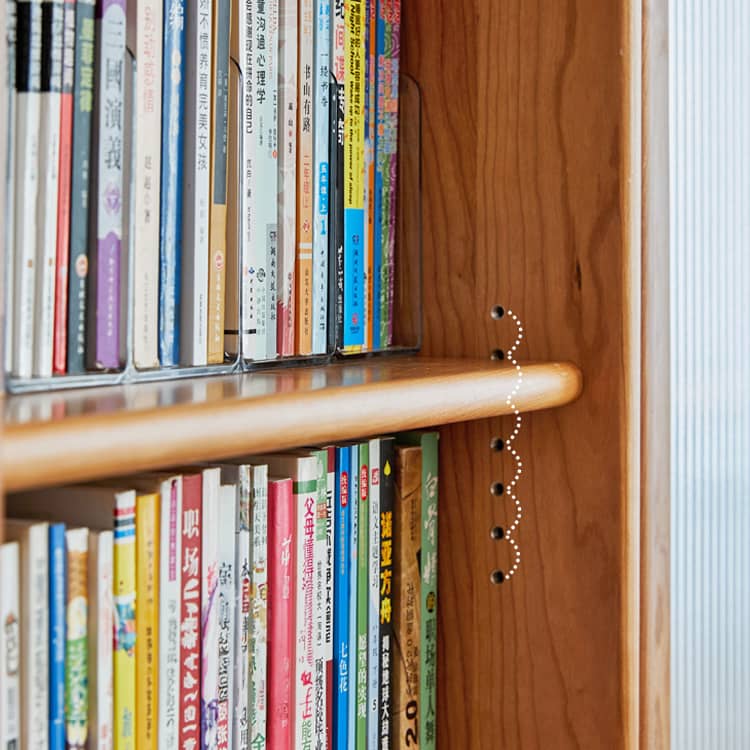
column 319, row 603
column 100, row 629
column 373, row 588
column 407, row 516
column 145, row 29
column 354, row 183
column 287, row 176
column 170, row 225
column 83, row 108
column 259, row 608
column 330, row 571
column 191, row 628
column 59, row 351
column 125, row 716
column 281, row 613
column 27, row 179
column 226, row 596
column 170, row 583
column 76, row 640
column 385, row 608
column 369, row 166
column 10, row 648
column 147, row 546
column 363, row 593
column 196, row 188
column 321, row 175
column 57, row 587
column 218, row 220
column 353, row 585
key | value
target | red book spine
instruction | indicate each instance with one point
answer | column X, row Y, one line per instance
column 190, row 615
column 281, row 613
column 59, row 363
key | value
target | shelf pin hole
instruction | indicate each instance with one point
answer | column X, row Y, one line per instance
column 497, row 312
column 497, row 576
column 497, row 532
column 498, row 355
column 497, row 444
column 497, row 488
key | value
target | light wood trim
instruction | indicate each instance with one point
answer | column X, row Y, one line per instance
column 259, row 412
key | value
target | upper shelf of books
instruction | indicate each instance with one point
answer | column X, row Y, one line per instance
column 82, row 435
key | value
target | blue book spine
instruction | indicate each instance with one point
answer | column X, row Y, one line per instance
column 354, row 234
column 354, row 536
column 57, row 583
column 380, row 166
column 170, row 234
column 341, row 598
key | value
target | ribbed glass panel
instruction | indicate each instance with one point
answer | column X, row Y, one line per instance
column 710, row 373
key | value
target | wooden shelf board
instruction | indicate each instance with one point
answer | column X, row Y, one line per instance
column 76, row 436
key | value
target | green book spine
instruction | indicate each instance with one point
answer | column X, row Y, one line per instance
column 363, row 588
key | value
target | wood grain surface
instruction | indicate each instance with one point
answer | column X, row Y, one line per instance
column 527, row 175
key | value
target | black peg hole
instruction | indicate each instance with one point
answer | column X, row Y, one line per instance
column 497, row 533
column 497, row 488
column 497, row 576
column 497, row 312
column 498, row 355
column 497, row 444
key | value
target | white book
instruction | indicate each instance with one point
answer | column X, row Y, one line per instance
column 320, row 568
column 196, row 186
column 144, row 33
column 49, row 168
column 34, row 583
column 7, row 129
column 329, row 574
column 373, row 618
column 28, row 114
column 100, row 629
column 10, row 651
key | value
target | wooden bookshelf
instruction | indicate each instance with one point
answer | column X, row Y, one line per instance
column 76, row 436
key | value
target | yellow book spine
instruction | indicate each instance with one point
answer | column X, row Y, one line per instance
column 147, row 618
column 125, row 633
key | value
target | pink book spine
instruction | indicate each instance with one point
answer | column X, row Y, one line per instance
column 190, row 615
column 281, row 613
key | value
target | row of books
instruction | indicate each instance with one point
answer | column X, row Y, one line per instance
column 285, row 601
column 193, row 183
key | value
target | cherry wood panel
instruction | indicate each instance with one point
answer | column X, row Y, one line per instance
column 529, row 162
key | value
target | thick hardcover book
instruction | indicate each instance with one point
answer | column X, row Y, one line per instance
column 281, row 613
column 287, row 213
column 191, row 628
column 145, row 32
column 354, row 182
column 27, row 179
column 407, row 518
column 196, row 186
column 363, row 592
column 321, row 175
column 57, row 588
column 320, row 553
column 147, row 545
column 305, row 178
column 218, row 221
column 103, row 349
column 386, row 634
column 341, row 598
column 10, row 651
column 170, row 201
column 353, row 586
column 83, row 108
column 59, row 351
column 34, row 566
column 373, row 595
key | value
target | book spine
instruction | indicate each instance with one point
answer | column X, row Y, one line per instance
column 407, row 516
column 27, row 178
column 59, row 352
column 363, row 593
column 373, row 587
column 8, row 50
column 10, row 648
column 147, row 17
column 226, row 594
column 281, row 613
column 353, row 585
column 321, row 175
column 385, row 607
column 57, row 584
column 305, row 180
column 83, row 107
column 383, row 62
column 196, row 190
column 369, row 164
column 218, row 222
column 100, row 629
column 341, row 600
column 259, row 608
column 319, row 603
column 191, row 627
column 354, row 188
column 49, row 165
column 328, row 642
column 76, row 640
column 243, row 597
column 429, row 592
column 287, row 175
column 170, row 230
